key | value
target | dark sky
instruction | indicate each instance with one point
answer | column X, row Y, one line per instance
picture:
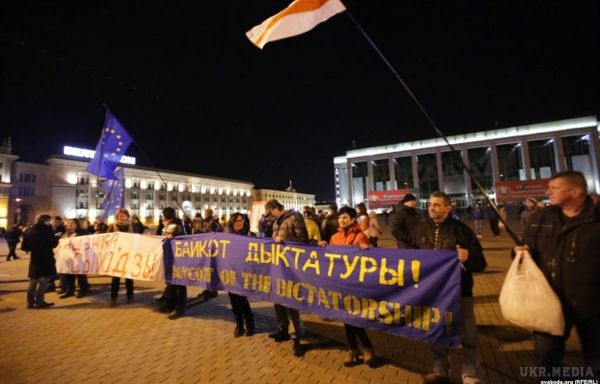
column 197, row 96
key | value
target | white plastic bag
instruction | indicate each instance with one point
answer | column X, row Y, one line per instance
column 527, row 299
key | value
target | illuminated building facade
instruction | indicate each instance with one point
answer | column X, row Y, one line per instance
column 63, row 187
column 526, row 152
column 290, row 198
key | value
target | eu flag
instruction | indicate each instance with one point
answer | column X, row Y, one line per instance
column 112, row 145
column 113, row 193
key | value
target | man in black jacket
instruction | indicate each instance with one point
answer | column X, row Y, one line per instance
column 564, row 240
column 404, row 221
column 40, row 241
column 441, row 231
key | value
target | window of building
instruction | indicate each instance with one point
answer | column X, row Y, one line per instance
column 27, row 177
column 453, row 176
column 577, row 154
column 542, row 159
column 359, row 182
column 381, row 175
column 403, row 171
column 428, row 178
column 480, row 164
column 26, row 191
column 510, row 162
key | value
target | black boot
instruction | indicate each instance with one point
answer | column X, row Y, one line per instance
column 239, row 327
column 249, row 325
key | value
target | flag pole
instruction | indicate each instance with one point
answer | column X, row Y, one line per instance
column 434, row 126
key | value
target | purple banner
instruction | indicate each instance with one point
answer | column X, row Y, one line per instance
column 410, row 293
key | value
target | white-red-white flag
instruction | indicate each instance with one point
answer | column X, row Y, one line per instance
column 299, row 17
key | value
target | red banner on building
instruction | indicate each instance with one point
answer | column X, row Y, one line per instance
column 385, row 199
column 512, row 191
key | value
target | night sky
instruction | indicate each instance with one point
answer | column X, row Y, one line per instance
column 197, row 96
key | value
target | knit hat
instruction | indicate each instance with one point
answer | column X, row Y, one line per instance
column 408, row 197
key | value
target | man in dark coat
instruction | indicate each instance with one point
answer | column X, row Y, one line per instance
column 404, row 221
column 564, row 240
column 12, row 237
column 40, row 241
column 442, row 231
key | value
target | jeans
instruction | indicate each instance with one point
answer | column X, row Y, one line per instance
column 468, row 340
column 36, row 290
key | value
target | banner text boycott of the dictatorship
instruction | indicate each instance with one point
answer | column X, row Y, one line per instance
column 411, row 293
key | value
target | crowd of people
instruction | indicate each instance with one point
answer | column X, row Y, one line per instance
column 559, row 236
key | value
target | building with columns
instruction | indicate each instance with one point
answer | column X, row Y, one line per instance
column 290, row 198
column 63, row 187
column 520, row 153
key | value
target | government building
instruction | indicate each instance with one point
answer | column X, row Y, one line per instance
column 516, row 156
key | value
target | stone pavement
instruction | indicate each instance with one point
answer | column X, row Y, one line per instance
column 86, row 341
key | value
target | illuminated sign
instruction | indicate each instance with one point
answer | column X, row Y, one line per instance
column 89, row 154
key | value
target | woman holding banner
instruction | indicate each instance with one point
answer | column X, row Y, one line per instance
column 350, row 233
column 122, row 224
column 239, row 224
column 73, row 228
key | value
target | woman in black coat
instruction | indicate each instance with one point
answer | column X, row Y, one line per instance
column 40, row 241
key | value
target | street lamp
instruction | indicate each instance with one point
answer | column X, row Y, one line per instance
column 18, row 211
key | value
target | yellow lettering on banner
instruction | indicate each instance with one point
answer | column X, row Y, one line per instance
column 223, row 247
column 256, row 282
column 352, row 305
column 121, row 266
column 281, row 287
column 227, row 276
column 396, row 277
column 398, row 315
column 266, row 257
column 369, row 306
column 384, row 314
column 280, row 255
column 332, row 257
column 202, row 274
column 409, row 317
column 349, row 267
column 415, row 266
column 335, row 299
column 297, row 253
column 323, row 298
column 417, row 317
column 364, row 269
column 296, row 292
column 311, row 292
column 312, row 262
column 252, row 256
column 426, row 318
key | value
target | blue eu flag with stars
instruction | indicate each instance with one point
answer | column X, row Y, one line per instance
column 112, row 145
column 113, row 193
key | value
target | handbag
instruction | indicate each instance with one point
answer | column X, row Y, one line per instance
column 527, row 299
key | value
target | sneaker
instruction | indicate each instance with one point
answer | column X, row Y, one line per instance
column 44, row 305
column 433, row 378
column 280, row 336
column 67, row 294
